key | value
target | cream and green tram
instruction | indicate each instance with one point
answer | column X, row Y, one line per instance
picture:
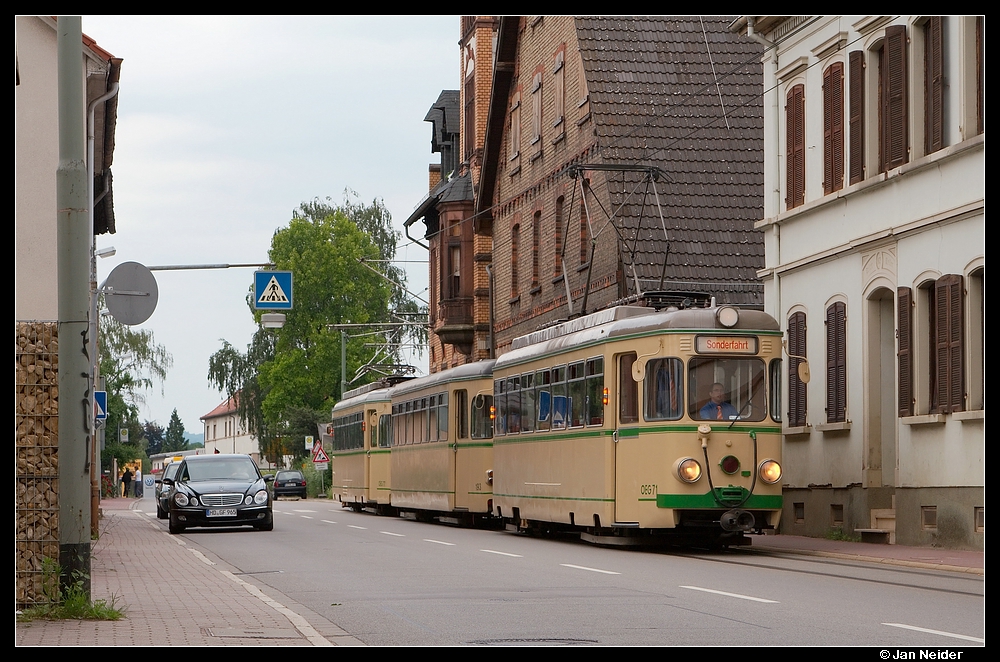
column 442, row 445
column 358, row 439
column 634, row 425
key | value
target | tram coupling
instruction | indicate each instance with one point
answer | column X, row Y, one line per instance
column 737, row 520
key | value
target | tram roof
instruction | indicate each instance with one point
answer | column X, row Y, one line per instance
column 478, row 369
column 373, row 395
column 622, row 321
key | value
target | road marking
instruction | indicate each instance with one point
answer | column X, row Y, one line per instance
column 390, row 533
column 365, row 528
column 204, row 559
column 327, row 521
column 583, row 567
column 300, row 623
column 302, row 511
column 439, row 542
column 305, row 517
column 730, row 595
column 493, row 551
column 943, row 634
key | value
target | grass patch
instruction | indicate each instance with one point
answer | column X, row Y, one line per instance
column 71, row 603
column 840, row 534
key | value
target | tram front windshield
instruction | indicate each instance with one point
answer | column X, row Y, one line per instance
column 726, row 389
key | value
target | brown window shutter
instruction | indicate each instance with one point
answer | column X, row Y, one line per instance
column 893, row 98
column 795, row 143
column 948, row 346
column 856, row 66
column 836, row 363
column 796, row 387
column 933, row 85
column 833, row 128
column 905, row 355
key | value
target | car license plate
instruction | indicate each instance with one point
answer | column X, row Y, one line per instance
column 221, row 512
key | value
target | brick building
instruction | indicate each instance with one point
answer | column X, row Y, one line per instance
column 595, row 127
column 459, row 248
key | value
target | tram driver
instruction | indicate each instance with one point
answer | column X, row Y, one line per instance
column 717, row 408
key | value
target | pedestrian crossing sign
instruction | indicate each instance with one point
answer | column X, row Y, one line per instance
column 272, row 290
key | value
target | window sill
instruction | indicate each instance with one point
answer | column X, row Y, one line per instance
column 537, row 155
column 516, row 169
column 535, row 290
column 514, row 300
column 834, row 427
column 925, row 419
column 797, row 430
column 558, row 279
column 558, row 139
column 974, row 415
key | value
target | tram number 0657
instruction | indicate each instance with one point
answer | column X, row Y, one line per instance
column 647, row 490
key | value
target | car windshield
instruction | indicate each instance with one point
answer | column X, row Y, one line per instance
column 288, row 475
column 170, row 470
column 229, row 468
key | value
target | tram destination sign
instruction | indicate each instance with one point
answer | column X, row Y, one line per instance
column 725, row 344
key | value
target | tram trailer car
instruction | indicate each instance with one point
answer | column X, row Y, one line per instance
column 359, row 439
column 634, row 425
column 442, row 448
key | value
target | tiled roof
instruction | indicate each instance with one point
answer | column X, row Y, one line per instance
column 683, row 94
column 228, row 406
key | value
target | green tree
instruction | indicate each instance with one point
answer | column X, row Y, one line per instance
column 131, row 362
column 175, row 440
column 288, row 379
column 153, row 432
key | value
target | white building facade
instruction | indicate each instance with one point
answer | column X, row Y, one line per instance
column 224, row 433
column 875, row 266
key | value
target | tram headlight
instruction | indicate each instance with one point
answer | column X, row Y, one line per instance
column 769, row 471
column 728, row 316
column 688, row 470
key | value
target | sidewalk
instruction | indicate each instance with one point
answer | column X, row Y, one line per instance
column 198, row 603
column 175, row 595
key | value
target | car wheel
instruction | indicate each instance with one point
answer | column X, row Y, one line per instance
column 160, row 512
column 175, row 525
column 266, row 526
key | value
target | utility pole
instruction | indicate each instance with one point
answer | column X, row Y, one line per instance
column 73, row 251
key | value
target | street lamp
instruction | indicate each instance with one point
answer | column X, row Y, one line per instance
column 272, row 320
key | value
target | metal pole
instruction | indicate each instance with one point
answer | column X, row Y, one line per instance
column 343, row 362
column 73, row 239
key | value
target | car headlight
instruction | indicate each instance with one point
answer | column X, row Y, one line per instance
column 194, row 501
column 260, row 498
column 181, row 499
column 248, row 500
column 770, row 471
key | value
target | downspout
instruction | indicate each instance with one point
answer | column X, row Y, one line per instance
column 771, row 83
column 95, row 454
column 489, row 277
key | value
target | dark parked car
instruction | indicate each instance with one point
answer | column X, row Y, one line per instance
column 163, row 490
column 289, row 483
column 219, row 490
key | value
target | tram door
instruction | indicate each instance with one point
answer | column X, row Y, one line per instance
column 628, row 456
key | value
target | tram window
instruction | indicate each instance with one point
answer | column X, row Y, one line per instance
column 543, row 390
column 664, row 390
column 595, row 391
column 577, row 404
column 628, row 391
column 442, row 416
column 528, row 402
column 500, row 403
column 462, row 414
column 559, row 409
column 482, row 426
column 742, row 389
column 385, row 431
column 775, row 404
column 513, row 404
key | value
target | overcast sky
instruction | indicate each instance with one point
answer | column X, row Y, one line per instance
column 226, row 124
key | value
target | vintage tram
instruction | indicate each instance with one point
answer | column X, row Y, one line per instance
column 359, row 439
column 442, row 444
column 637, row 425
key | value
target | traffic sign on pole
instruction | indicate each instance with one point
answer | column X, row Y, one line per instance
column 272, row 290
column 100, row 405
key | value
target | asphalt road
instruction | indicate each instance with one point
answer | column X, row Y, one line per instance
column 394, row 581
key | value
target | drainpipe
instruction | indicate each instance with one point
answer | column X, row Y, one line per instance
column 489, row 276
column 95, row 469
column 770, row 83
